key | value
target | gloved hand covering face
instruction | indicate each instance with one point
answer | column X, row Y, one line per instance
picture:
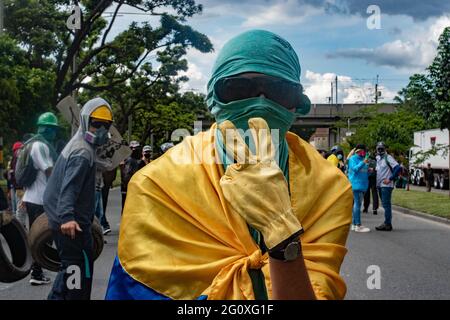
column 263, row 52
column 255, row 187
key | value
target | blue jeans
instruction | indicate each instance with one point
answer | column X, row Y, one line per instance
column 73, row 252
column 98, row 205
column 13, row 200
column 386, row 196
column 357, row 199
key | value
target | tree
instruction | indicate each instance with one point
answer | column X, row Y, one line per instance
column 24, row 91
column 429, row 94
column 136, row 69
column 40, row 28
column 395, row 129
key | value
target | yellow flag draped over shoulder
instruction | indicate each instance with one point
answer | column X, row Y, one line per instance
column 179, row 236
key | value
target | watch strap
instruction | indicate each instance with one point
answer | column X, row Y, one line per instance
column 277, row 252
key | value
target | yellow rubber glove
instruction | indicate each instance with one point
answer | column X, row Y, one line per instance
column 255, row 187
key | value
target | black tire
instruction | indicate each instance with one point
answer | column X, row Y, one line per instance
column 45, row 254
column 18, row 266
column 97, row 238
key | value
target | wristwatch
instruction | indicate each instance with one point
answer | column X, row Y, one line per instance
column 288, row 250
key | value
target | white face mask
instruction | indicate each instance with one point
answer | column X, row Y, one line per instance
column 339, row 156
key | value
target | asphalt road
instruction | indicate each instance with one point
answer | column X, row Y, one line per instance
column 413, row 261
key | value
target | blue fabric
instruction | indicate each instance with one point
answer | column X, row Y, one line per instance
column 122, row 286
column 396, row 172
column 99, row 205
column 358, row 173
column 356, row 213
column 386, row 196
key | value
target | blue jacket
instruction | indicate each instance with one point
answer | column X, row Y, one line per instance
column 358, row 173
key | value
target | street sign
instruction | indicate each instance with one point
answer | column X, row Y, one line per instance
column 116, row 149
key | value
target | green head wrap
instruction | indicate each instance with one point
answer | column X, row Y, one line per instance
column 264, row 52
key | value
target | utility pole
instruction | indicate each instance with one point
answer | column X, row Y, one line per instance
column 336, row 87
column 331, row 96
column 376, row 91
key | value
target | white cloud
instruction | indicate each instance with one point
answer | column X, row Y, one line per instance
column 197, row 79
column 318, row 89
column 287, row 12
column 412, row 54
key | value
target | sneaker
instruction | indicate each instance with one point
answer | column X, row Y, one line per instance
column 39, row 280
column 384, row 227
column 365, row 211
column 352, row 228
column 361, row 229
column 375, row 212
column 106, row 231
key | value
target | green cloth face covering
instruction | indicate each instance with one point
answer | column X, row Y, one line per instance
column 263, row 52
column 240, row 111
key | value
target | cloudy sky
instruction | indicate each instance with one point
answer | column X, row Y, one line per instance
column 331, row 38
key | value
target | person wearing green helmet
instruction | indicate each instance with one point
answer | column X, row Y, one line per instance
column 48, row 126
column 43, row 156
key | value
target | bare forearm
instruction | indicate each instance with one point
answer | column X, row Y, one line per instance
column 290, row 280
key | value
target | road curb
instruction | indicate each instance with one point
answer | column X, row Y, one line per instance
column 421, row 214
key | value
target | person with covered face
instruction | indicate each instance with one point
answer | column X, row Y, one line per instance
column 128, row 168
column 358, row 173
column 336, row 157
column 146, row 156
column 69, row 201
column 43, row 155
column 388, row 170
column 237, row 214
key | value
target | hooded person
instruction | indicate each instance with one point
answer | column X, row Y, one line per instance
column 201, row 225
column 69, row 200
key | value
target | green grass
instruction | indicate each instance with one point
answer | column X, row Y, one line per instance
column 428, row 202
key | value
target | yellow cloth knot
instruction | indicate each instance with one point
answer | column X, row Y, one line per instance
column 256, row 260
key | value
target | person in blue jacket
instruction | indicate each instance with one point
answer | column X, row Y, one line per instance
column 358, row 166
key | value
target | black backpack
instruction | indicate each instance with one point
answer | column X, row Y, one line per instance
column 3, row 201
column 25, row 173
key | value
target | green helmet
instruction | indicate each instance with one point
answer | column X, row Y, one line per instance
column 48, row 119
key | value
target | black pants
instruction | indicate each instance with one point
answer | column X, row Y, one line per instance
column 371, row 189
column 74, row 279
column 34, row 211
column 105, row 194
column 124, row 198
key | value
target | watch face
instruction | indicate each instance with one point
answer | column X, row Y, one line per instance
column 292, row 251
